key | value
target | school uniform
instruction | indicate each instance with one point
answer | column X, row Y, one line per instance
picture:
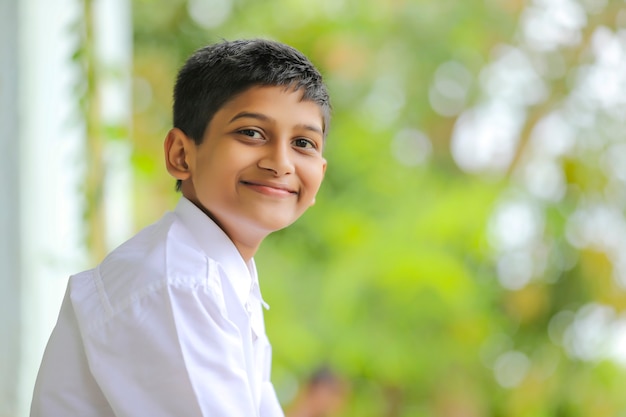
column 169, row 324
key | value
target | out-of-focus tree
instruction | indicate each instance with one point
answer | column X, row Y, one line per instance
column 464, row 255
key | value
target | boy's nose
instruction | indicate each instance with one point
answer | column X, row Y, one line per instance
column 277, row 160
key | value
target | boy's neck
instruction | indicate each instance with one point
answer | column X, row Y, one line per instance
column 247, row 245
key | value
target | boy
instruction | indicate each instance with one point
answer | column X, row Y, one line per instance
column 170, row 323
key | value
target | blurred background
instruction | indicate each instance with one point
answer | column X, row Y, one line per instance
column 467, row 253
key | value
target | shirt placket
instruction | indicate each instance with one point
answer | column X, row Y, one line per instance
column 253, row 307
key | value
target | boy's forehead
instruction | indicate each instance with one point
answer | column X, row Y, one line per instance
column 245, row 98
column 288, row 89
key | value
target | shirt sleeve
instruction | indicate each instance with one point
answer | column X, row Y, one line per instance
column 65, row 386
column 171, row 352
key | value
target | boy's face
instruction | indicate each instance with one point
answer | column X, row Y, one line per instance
column 260, row 162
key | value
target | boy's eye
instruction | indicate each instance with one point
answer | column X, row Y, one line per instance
column 304, row 143
column 255, row 134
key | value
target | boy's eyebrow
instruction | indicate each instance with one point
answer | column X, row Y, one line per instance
column 264, row 118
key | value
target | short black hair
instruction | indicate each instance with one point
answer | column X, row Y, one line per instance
column 215, row 74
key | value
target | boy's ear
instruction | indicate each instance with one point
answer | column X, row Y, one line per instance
column 177, row 147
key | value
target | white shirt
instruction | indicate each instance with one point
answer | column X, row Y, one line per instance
column 169, row 324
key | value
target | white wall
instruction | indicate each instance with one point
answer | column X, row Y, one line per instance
column 51, row 167
column 42, row 165
column 10, row 301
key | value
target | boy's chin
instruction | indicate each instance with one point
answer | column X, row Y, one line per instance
column 276, row 223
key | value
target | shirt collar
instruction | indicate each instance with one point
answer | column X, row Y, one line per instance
column 218, row 246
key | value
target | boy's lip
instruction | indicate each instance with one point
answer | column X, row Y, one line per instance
column 280, row 187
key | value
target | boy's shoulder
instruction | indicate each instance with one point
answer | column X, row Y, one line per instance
column 157, row 250
column 143, row 250
column 150, row 259
column 159, row 256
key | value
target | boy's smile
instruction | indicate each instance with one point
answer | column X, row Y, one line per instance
column 271, row 188
column 259, row 165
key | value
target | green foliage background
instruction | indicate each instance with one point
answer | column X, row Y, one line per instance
column 391, row 277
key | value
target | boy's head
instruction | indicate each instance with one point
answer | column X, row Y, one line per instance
column 216, row 73
column 250, row 121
